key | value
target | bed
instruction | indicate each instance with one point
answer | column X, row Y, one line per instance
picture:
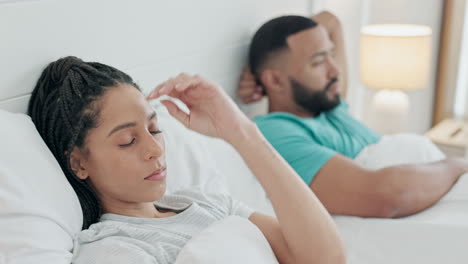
column 41, row 215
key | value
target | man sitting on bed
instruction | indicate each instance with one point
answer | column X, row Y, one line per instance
column 300, row 64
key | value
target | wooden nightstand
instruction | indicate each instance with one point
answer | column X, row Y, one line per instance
column 451, row 136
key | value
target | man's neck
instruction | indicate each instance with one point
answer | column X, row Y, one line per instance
column 293, row 109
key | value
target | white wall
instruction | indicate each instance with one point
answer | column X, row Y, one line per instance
column 153, row 40
column 356, row 13
column 150, row 39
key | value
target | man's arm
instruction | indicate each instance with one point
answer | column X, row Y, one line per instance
column 347, row 189
column 333, row 26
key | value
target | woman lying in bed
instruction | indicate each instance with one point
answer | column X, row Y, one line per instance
column 106, row 137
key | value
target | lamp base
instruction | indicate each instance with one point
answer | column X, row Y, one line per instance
column 389, row 111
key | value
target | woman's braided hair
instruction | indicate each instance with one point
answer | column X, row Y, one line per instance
column 64, row 106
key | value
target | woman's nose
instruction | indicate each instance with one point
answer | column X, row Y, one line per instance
column 154, row 148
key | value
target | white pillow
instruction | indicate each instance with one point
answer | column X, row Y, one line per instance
column 232, row 240
column 39, row 211
column 399, row 149
column 404, row 148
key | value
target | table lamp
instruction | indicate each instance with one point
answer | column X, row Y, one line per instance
column 394, row 58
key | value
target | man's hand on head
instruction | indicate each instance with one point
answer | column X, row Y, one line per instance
column 249, row 90
column 327, row 19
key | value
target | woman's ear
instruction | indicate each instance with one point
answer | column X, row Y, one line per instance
column 273, row 80
column 77, row 164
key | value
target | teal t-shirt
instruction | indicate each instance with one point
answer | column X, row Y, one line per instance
column 308, row 143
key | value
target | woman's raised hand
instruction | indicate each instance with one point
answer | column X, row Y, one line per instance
column 212, row 112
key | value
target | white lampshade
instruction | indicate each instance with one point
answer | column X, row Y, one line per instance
column 395, row 56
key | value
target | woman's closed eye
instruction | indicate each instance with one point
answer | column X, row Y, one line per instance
column 128, row 144
column 155, row 132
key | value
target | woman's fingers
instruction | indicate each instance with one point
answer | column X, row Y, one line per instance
column 186, row 81
column 162, row 89
column 249, row 91
column 154, row 93
column 169, row 87
column 176, row 112
column 176, row 87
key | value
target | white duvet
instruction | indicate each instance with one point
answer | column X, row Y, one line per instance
column 232, row 240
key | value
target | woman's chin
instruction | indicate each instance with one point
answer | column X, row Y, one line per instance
column 159, row 191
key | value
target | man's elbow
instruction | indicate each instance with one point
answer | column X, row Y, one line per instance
column 395, row 204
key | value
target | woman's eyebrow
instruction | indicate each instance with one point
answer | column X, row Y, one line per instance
column 130, row 124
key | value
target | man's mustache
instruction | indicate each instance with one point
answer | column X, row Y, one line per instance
column 332, row 81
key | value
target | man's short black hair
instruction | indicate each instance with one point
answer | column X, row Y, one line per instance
column 271, row 37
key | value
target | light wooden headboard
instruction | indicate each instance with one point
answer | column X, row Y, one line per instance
column 149, row 39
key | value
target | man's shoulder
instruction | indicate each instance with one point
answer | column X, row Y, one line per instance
column 277, row 117
column 277, row 120
column 281, row 124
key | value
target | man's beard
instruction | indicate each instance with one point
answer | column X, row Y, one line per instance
column 314, row 102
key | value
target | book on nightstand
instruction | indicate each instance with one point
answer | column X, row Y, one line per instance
column 451, row 136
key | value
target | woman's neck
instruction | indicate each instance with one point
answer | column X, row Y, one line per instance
column 142, row 210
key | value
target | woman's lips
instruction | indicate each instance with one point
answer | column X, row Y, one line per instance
column 157, row 175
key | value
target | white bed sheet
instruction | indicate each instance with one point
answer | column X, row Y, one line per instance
column 436, row 235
